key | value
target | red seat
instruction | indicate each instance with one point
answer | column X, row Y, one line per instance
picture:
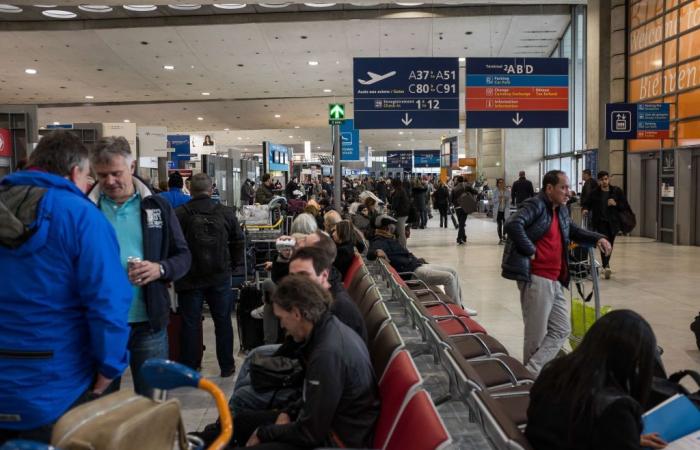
column 352, row 270
column 419, row 426
column 460, row 325
column 399, row 377
column 396, row 275
column 446, row 309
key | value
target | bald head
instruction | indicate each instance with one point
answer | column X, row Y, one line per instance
column 331, row 218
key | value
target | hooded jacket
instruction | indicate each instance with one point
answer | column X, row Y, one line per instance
column 527, row 225
column 164, row 243
column 64, row 299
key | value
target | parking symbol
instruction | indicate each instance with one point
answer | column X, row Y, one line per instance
column 621, row 121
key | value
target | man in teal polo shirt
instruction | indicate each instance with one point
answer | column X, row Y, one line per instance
column 146, row 228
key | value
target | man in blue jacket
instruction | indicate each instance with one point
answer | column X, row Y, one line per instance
column 175, row 196
column 146, row 229
column 64, row 297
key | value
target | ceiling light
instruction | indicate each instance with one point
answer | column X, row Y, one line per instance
column 185, row 7
column 318, row 148
column 462, row 59
column 400, row 132
column 95, row 8
column 313, row 63
column 127, row 121
column 45, row 6
column 226, row 129
column 408, row 4
column 206, row 94
column 274, row 5
column 57, row 123
column 328, row 91
column 200, row 118
column 59, row 14
column 11, row 9
column 30, row 71
column 230, row 5
column 399, row 145
column 459, row 131
column 169, row 67
column 277, row 116
column 140, row 8
column 89, row 97
column 296, row 127
column 240, row 138
column 319, row 5
column 291, row 137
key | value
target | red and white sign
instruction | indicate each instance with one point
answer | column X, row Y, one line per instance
column 5, row 143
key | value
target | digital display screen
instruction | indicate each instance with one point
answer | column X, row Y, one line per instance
column 400, row 160
column 277, row 157
column 426, row 158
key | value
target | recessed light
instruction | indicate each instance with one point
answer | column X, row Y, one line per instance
column 291, row 137
column 240, row 138
column 459, row 131
column 462, row 59
column 95, row 8
column 127, row 121
column 230, row 5
column 57, row 123
column 274, row 5
column 319, row 5
column 408, row 3
column 296, row 127
column 318, row 148
column 140, row 8
column 30, row 71
column 328, row 91
column 11, row 9
column 277, row 116
column 185, row 7
column 399, row 145
column 45, row 6
column 200, row 118
column 400, row 132
column 313, row 63
column 226, row 129
column 89, row 97
column 206, row 93
column 169, row 67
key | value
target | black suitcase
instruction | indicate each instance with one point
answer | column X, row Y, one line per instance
column 250, row 330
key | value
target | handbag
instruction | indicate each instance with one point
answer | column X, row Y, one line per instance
column 665, row 388
column 270, row 373
column 627, row 220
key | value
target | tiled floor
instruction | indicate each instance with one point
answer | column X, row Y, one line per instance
column 659, row 281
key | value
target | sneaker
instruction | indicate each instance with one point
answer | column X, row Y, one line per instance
column 227, row 373
column 607, row 272
column 257, row 313
column 471, row 312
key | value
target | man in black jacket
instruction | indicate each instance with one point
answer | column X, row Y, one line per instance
column 264, row 193
column 589, row 185
column 605, row 203
column 521, row 190
column 464, row 201
column 216, row 243
column 340, row 404
column 401, row 205
column 536, row 257
column 147, row 229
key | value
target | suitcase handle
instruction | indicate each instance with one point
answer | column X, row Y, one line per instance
column 168, row 375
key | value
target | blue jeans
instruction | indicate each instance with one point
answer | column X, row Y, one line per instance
column 145, row 344
column 220, row 301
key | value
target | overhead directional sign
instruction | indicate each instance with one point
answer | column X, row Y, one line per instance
column 517, row 92
column 349, row 141
column 401, row 159
column 637, row 120
column 406, row 93
column 336, row 113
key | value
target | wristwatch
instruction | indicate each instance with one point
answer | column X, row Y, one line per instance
column 162, row 270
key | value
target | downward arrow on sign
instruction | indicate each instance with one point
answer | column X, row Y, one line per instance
column 406, row 120
column 517, row 120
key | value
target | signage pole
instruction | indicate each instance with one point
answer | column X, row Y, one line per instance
column 337, row 177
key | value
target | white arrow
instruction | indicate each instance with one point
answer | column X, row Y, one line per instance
column 406, row 120
column 517, row 120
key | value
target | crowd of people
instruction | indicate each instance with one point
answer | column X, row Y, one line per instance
column 90, row 272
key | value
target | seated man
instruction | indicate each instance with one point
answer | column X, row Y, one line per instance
column 340, row 404
column 385, row 245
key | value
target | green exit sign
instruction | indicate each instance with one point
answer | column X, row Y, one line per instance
column 336, row 113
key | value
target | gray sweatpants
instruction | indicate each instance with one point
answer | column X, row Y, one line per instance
column 546, row 313
column 444, row 276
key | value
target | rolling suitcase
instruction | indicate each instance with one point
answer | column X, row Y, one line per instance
column 250, row 330
column 175, row 339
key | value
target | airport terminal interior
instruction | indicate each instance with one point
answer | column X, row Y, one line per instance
column 329, row 99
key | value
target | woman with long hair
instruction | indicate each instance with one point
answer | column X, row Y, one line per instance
column 501, row 207
column 592, row 397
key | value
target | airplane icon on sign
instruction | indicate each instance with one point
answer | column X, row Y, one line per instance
column 376, row 78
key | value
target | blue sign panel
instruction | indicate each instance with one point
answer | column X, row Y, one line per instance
column 277, row 157
column 180, row 145
column 426, row 158
column 400, row 160
column 349, row 141
column 406, row 93
column 517, row 92
column 55, row 126
column 637, row 121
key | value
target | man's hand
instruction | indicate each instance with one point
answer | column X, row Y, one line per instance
column 604, row 246
column 253, row 440
column 267, row 265
column 283, row 419
column 144, row 272
column 380, row 254
column 612, row 202
column 101, row 383
column 652, row 440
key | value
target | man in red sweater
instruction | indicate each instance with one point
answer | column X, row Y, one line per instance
column 536, row 257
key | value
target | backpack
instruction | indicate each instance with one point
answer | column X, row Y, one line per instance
column 207, row 237
column 467, row 202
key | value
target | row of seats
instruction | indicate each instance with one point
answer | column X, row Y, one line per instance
column 405, row 405
column 494, row 386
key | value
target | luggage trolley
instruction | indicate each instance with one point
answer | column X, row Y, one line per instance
column 584, row 275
